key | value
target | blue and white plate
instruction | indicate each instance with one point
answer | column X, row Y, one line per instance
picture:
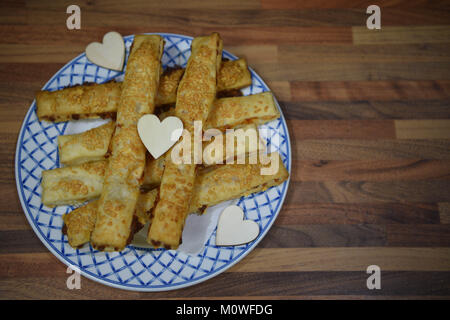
column 135, row 268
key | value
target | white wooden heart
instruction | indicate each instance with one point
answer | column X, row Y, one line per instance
column 110, row 54
column 159, row 136
column 233, row 230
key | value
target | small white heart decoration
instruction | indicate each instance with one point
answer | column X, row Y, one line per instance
column 159, row 136
column 233, row 230
column 110, row 54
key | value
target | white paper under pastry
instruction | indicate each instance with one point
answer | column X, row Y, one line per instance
column 79, row 126
column 196, row 232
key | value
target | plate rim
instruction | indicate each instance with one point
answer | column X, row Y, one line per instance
column 140, row 288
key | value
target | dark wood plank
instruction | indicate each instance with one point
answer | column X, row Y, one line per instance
column 295, row 236
column 293, row 262
column 342, row 129
column 28, row 73
column 353, row 71
column 363, row 192
column 400, row 284
column 136, row 6
column 417, row 109
column 14, row 220
column 155, row 18
column 371, row 170
column 43, row 34
column 345, row 259
column 362, row 213
column 350, row 149
column 20, row 241
column 301, row 4
column 426, row 235
column 444, row 212
column 7, row 176
column 349, row 56
column 370, row 90
column 401, row 35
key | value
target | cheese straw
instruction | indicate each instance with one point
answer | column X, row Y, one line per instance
column 101, row 100
column 73, row 185
column 76, row 184
column 225, row 113
column 231, row 181
column 212, row 185
column 123, row 176
column 87, row 146
column 79, row 223
column 231, row 112
column 79, row 102
column 195, row 97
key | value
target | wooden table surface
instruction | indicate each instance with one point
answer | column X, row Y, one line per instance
column 368, row 113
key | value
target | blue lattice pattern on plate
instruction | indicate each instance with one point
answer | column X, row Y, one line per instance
column 134, row 268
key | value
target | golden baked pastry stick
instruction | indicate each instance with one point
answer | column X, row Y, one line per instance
column 73, row 185
column 79, row 102
column 195, row 96
column 212, row 185
column 154, row 168
column 87, row 146
column 232, row 181
column 231, row 112
column 101, row 100
column 123, row 176
column 233, row 75
column 76, row 184
column 234, row 112
column 226, row 113
column 79, row 223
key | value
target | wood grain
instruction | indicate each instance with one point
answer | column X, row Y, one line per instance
column 418, row 235
column 361, row 213
column 382, row 149
column 398, row 54
column 324, row 235
column 301, row 4
column 348, row 91
column 422, row 129
column 354, row 71
column 368, row 116
column 444, row 212
column 346, row 259
column 311, row 285
column 343, row 129
column 371, row 170
column 367, row 109
column 260, row 35
column 363, row 191
column 402, row 35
